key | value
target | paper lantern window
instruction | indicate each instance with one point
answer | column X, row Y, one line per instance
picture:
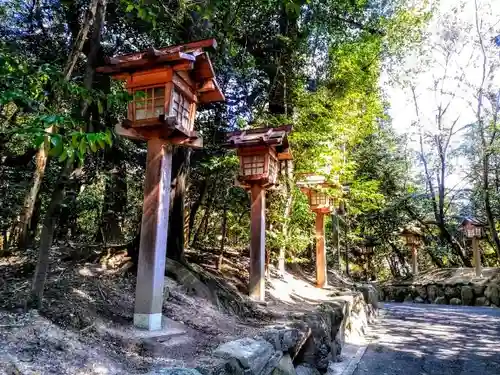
column 472, row 228
column 318, row 198
column 180, row 109
column 273, row 168
column 149, row 103
column 253, row 164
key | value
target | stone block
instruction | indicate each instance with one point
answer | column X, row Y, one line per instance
column 272, row 363
column 432, row 292
column 422, row 291
column 304, row 369
column 320, row 346
column 400, row 294
column 285, row 366
column 452, row 292
column 482, row 301
column 467, row 294
column 175, row 371
column 492, row 292
column 479, row 289
column 283, row 338
column 370, row 294
column 419, row 300
column 440, row 301
column 455, row 301
column 252, row 355
column 408, row 298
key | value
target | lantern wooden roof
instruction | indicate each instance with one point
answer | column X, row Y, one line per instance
column 472, row 221
column 411, row 230
column 190, row 57
column 276, row 138
column 312, row 185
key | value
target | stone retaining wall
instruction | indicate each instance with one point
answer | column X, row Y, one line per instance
column 304, row 344
column 471, row 294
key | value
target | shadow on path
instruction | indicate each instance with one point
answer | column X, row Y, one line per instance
column 430, row 339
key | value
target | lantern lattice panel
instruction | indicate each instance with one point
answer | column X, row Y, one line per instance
column 149, row 103
column 253, row 165
column 273, row 168
column 472, row 231
column 180, row 109
column 318, row 198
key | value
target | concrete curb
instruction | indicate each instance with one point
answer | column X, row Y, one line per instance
column 353, row 364
column 349, row 366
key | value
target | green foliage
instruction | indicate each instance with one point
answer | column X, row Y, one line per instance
column 26, row 91
column 315, row 64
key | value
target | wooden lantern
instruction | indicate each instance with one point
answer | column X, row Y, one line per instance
column 413, row 237
column 166, row 85
column 320, row 203
column 313, row 186
column 474, row 230
column 260, row 152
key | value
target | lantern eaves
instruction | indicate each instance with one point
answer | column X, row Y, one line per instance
column 472, row 221
column 276, row 138
column 191, row 57
column 411, row 231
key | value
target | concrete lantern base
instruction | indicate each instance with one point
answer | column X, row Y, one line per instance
column 151, row 322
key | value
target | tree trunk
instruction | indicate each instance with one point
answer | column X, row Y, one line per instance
column 224, row 233
column 49, row 222
column 115, row 198
column 196, row 206
column 25, row 218
column 487, row 203
column 288, row 208
column 90, row 16
column 176, row 235
column 486, row 146
column 41, row 157
column 205, row 218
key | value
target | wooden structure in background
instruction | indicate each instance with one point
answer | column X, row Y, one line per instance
column 322, row 204
column 260, row 152
column 413, row 237
column 166, row 85
column 474, row 230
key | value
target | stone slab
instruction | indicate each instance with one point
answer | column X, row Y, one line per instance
column 251, row 354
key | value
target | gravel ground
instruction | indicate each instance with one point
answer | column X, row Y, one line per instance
column 428, row 339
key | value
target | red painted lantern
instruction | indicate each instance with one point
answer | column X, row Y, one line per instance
column 167, row 85
column 313, row 186
column 260, row 152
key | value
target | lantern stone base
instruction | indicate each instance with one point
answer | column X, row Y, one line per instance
column 151, row 322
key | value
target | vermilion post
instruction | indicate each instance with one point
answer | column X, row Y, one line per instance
column 320, row 251
column 258, row 243
column 154, row 229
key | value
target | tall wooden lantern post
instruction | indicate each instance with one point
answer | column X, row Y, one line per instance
column 321, row 204
column 474, row 230
column 167, row 85
column 412, row 238
column 260, row 151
